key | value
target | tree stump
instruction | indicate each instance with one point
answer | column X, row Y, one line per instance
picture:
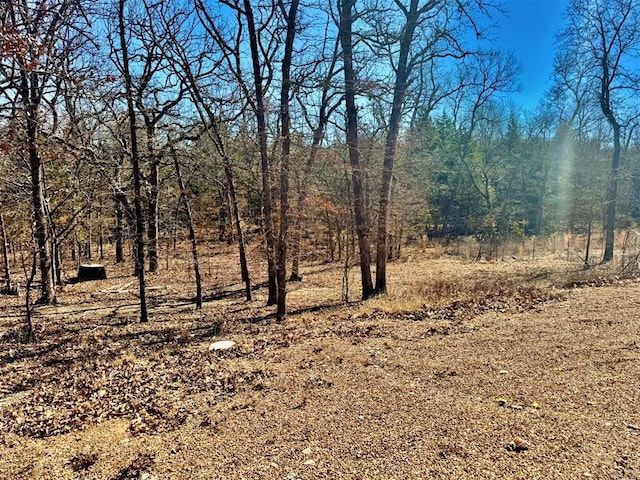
column 91, row 271
column 10, row 289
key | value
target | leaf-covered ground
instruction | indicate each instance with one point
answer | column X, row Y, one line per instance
column 465, row 370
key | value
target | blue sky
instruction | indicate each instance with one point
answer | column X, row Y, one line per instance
column 529, row 31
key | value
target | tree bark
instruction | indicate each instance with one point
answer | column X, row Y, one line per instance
column 5, row 253
column 47, row 291
column 285, row 122
column 362, row 229
column 399, row 92
column 135, row 160
column 154, row 191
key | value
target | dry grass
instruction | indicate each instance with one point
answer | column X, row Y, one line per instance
column 402, row 386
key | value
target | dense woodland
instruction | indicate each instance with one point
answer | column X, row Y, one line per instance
column 350, row 125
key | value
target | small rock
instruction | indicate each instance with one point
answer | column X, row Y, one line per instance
column 311, row 462
column 516, row 407
column 503, row 372
column 307, row 451
column 222, row 345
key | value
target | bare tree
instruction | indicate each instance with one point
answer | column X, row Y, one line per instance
column 38, row 42
column 413, row 50
column 330, row 100
column 194, row 68
column 406, row 38
column 262, row 36
column 256, row 47
column 135, row 160
column 157, row 93
column 285, row 133
column 346, row 15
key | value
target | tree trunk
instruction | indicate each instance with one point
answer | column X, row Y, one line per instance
column 154, row 190
column 612, row 195
column 362, row 230
column 47, row 292
column 139, row 218
column 30, row 274
column 192, row 231
column 222, row 213
column 89, row 233
column 5, row 253
column 244, row 268
column 399, row 92
column 285, row 122
column 118, row 231
column 100, row 235
column 267, row 204
column 588, row 247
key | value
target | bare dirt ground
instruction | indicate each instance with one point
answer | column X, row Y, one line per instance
column 465, row 370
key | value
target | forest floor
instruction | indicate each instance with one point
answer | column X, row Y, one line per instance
column 515, row 369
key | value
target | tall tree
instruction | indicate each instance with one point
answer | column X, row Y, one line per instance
column 194, row 66
column 409, row 56
column 135, row 160
column 157, row 94
column 290, row 15
column 346, row 13
column 255, row 47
